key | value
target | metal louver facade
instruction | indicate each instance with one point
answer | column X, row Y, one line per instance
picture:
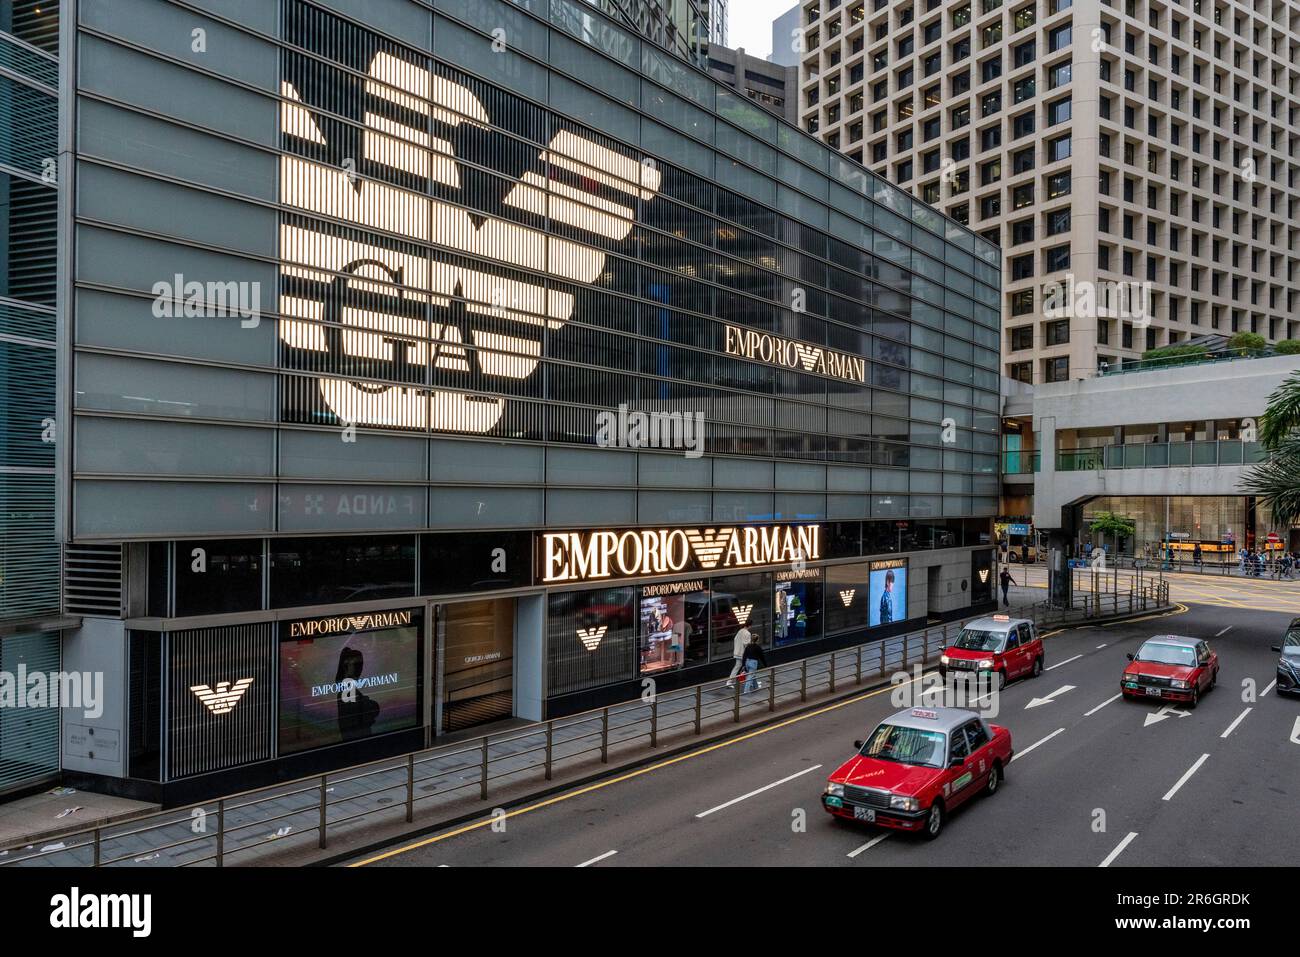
column 29, row 737
column 92, row 580
column 221, row 691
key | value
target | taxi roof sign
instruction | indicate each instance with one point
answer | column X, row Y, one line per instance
column 923, row 713
column 1001, row 617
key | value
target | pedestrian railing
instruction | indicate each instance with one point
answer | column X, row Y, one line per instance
column 458, row 778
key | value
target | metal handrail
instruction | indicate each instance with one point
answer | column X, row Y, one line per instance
column 791, row 681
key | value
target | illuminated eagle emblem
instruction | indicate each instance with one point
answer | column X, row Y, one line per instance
column 590, row 637
column 412, row 278
column 224, row 697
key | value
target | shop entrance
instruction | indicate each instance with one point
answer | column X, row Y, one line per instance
column 477, row 639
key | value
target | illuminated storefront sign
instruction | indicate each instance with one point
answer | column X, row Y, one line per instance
column 779, row 351
column 223, row 698
column 359, row 307
column 638, row 553
column 319, row 627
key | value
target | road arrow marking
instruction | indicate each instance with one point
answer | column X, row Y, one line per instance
column 1035, row 702
column 1163, row 713
column 1295, row 732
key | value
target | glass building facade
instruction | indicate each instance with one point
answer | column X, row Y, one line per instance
column 29, row 556
column 507, row 327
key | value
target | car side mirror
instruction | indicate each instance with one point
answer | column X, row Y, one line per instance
column 1130, row 657
column 1278, row 649
column 956, row 762
column 857, row 745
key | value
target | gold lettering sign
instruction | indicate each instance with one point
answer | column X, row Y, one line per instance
column 645, row 553
column 779, row 351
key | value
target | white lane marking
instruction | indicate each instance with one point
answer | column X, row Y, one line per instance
column 1119, row 849
column 1271, row 685
column 867, row 846
column 1048, row 699
column 1089, row 714
column 596, row 860
column 1233, row 727
column 1295, row 732
column 1183, row 780
column 1065, row 662
column 1224, row 632
column 766, row 787
column 1102, row 645
column 1021, row 754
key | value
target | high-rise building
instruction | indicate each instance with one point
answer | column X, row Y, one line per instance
column 785, row 33
column 30, row 616
column 768, row 84
column 718, row 22
column 409, row 381
column 1134, row 159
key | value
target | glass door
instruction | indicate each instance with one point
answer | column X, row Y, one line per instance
column 478, row 662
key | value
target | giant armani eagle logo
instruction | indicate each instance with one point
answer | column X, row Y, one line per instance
column 358, row 307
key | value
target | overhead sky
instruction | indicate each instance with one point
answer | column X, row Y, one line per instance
column 750, row 24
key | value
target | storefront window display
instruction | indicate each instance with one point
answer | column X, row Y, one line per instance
column 847, row 590
column 739, row 600
column 591, row 638
column 796, row 606
column 674, row 626
column 348, row 678
column 887, row 602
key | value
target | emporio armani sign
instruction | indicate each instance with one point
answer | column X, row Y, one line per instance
column 346, row 624
column 638, row 553
column 223, row 698
column 779, row 351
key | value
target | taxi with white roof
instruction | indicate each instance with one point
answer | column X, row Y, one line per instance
column 998, row 645
column 916, row 767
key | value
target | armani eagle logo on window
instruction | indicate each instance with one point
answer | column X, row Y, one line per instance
column 223, row 698
column 456, row 305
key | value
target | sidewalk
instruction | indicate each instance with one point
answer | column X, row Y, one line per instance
column 39, row 819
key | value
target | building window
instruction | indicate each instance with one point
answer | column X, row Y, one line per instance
column 1058, row 184
column 1022, row 231
column 1056, row 370
column 1022, row 337
column 1022, row 302
column 1057, row 333
column 1058, row 111
column 1059, row 38
column 1022, row 196
column 1058, row 149
column 1058, row 258
column 1022, row 125
column 1058, row 222
column 1022, row 267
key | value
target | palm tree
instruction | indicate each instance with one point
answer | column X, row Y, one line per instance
column 1276, row 480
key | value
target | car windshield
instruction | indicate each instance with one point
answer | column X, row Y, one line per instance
column 889, row 742
column 1291, row 642
column 1167, row 654
column 972, row 639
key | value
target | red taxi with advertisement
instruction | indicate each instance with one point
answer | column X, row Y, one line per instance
column 916, row 767
column 1171, row 668
column 1001, row 645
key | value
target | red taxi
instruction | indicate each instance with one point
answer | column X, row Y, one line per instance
column 916, row 767
column 1007, row 647
column 1171, row 668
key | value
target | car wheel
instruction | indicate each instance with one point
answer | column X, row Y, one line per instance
column 1214, row 678
column 1196, row 698
column 995, row 778
column 1038, row 666
column 933, row 821
column 1002, row 680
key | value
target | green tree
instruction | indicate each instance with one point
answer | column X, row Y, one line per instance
column 1276, row 480
column 1108, row 523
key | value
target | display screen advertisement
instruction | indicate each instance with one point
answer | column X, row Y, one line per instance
column 887, row 601
column 348, row 678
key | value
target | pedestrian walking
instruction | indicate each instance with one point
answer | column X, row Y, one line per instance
column 1196, row 556
column 754, row 659
column 738, row 646
column 1006, row 581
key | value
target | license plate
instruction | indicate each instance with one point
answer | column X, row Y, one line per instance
column 864, row 814
column 1153, row 692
